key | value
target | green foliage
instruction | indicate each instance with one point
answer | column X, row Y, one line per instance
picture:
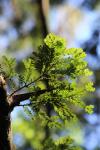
column 89, row 109
column 35, row 135
column 63, row 70
column 29, row 73
column 7, row 66
column 65, row 143
column 30, row 131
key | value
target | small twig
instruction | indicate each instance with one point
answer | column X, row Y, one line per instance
column 26, row 85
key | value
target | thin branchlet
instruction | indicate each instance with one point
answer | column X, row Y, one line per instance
column 25, row 86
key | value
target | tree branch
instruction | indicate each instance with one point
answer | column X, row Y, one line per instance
column 26, row 85
column 16, row 99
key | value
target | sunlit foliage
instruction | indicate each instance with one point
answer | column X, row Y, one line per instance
column 65, row 75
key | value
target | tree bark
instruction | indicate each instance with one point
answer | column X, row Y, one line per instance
column 5, row 133
column 5, row 122
column 42, row 13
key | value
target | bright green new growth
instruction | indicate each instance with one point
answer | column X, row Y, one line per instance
column 63, row 70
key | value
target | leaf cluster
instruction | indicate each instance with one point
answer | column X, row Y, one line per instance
column 55, row 67
column 65, row 71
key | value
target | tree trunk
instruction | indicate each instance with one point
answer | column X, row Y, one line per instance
column 5, row 133
column 44, row 29
column 5, row 122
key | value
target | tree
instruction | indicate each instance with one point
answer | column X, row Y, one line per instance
column 56, row 80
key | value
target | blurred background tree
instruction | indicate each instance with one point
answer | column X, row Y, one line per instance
column 23, row 25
